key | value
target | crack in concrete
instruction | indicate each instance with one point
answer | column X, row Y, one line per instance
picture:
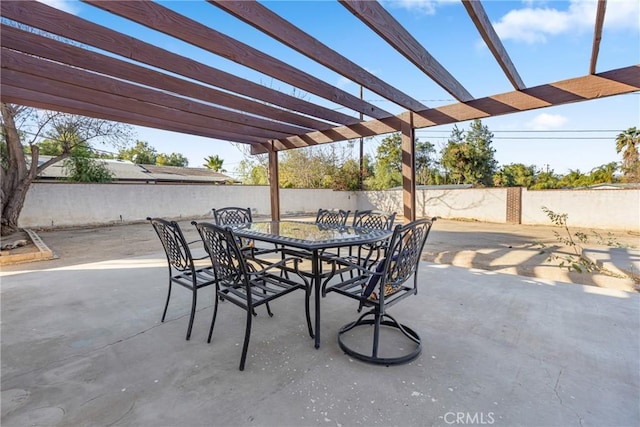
column 555, row 389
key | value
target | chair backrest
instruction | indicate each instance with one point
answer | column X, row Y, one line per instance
column 402, row 256
column 232, row 215
column 226, row 257
column 332, row 217
column 174, row 244
column 374, row 219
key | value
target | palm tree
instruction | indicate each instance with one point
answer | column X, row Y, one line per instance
column 214, row 163
column 628, row 143
column 604, row 173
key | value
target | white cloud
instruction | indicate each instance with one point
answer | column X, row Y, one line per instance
column 546, row 121
column 69, row 6
column 622, row 14
column 427, row 7
column 536, row 24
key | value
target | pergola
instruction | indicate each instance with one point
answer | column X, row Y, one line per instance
column 143, row 84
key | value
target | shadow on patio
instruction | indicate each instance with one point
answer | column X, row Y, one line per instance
column 83, row 345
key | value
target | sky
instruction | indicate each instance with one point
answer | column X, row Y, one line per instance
column 547, row 41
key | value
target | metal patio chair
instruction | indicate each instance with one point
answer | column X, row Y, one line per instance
column 247, row 283
column 369, row 254
column 232, row 215
column 377, row 289
column 182, row 268
column 235, row 215
column 332, row 217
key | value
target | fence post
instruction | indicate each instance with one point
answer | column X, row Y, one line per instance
column 514, row 205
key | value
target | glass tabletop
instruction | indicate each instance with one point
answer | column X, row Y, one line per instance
column 307, row 235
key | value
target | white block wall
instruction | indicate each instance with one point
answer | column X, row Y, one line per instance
column 71, row 204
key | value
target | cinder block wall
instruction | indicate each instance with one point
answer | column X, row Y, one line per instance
column 72, row 204
column 606, row 209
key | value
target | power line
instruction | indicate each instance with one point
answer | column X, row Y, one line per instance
column 534, row 131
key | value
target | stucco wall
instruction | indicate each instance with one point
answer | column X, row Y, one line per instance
column 67, row 204
column 480, row 204
column 607, row 209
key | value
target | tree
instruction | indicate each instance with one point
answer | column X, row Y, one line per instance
column 388, row 167
column 604, row 174
column 515, row 175
column 253, row 172
column 574, row 178
column 546, row 181
column 426, row 172
column 628, row 142
column 311, row 167
column 83, row 168
column 214, row 163
column 23, row 126
column 141, row 153
column 173, row 159
column 468, row 158
column 347, row 177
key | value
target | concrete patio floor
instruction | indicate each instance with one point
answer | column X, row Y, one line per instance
column 82, row 345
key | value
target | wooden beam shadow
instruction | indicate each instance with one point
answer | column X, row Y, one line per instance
column 492, row 106
column 553, row 95
column 436, row 117
column 623, row 76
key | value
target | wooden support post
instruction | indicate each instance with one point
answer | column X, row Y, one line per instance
column 408, row 168
column 273, row 185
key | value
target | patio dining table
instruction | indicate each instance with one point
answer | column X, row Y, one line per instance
column 312, row 241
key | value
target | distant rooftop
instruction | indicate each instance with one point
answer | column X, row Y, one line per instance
column 126, row 171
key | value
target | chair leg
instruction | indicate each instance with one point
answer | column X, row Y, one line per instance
column 213, row 319
column 247, row 335
column 269, row 309
column 193, row 312
column 376, row 335
column 308, row 311
column 166, row 304
column 267, row 304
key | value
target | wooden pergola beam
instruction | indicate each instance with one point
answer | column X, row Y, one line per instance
column 481, row 20
column 274, row 187
column 32, row 98
column 610, row 83
column 258, row 16
column 597, row 35
column 160, row 18
column 55, row 21
column 25, row 64
column 408, row 168
column 381, row 22
column 100, row 98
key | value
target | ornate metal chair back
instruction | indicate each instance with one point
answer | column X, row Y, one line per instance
column 374, row 219
column 403, row 255
column 232, row 215
column 174, row 243
column 332, row 217
column 228, row 262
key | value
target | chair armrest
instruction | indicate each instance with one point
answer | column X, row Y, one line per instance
column 266, row 265
column 203, row 246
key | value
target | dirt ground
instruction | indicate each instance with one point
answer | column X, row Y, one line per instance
column 507, row 248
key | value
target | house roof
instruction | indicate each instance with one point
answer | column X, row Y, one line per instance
column 175, row 173
column 124, row 170
column 93, row 70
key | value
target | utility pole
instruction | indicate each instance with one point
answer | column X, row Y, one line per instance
column 361, row 176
